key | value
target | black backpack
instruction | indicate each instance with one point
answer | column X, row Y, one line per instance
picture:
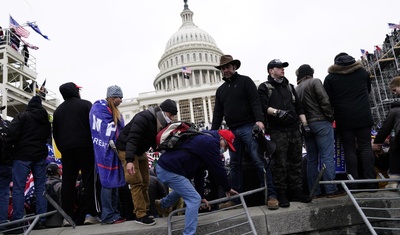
column 52, row 193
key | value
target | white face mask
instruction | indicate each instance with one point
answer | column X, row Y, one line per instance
column 166, row 118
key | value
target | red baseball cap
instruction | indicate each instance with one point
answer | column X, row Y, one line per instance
column 229, row 137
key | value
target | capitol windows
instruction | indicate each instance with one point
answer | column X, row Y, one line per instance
column 194, row 56
column 187, row 57
column 182, row 61
column 172, row 62
column 200, row 57
column 176, row 59
column 205, row 56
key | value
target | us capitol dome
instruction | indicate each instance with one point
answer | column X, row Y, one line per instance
column 187, row 75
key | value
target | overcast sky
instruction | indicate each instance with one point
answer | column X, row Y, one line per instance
column 98, row 43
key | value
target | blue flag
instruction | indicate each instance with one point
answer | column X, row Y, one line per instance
column 37, row 30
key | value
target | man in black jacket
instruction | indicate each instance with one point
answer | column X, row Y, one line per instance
column 71, row 132
column 135, row 140
column 283, row 111
column 348, row 85
column 237, row 102
column 26, row 142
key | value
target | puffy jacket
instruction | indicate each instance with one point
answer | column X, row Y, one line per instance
column 315, row 101
column 140, row 133
column 28, row 133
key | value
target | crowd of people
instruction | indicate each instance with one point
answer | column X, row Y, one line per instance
column 110, row 159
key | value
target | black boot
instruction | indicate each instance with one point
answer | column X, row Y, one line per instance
column 300, row 196
column 282, row 198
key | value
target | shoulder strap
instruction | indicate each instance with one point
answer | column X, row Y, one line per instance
column 270, row 87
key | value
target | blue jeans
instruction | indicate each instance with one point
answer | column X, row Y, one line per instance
column 320, row 149
column 109, row 203
column 5, row 179
column 182, row 187
column 243, row 139
column 21, row 171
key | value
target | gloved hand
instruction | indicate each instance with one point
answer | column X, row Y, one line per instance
column 283, row 115
column 256, row 131
column 305, row 130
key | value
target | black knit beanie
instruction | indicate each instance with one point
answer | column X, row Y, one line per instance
column 169, row 106
column 304, row 70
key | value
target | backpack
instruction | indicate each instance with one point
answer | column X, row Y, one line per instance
column 175, row 134
column 270, row 88
column 52, row 193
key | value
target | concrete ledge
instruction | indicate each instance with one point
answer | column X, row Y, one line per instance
column 321, row 216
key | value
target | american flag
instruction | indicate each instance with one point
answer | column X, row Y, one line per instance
column 186, row 70
column 18, row 28
column 394, row 26
column 29, row 190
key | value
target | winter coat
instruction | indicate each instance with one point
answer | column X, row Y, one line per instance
column 348, row 88
column 28, row 133
column 193, row 157
column 315, row 101
column 281, row 98
column 237, row 100
column 140, row 133
column 392, row 122
column 71, row 127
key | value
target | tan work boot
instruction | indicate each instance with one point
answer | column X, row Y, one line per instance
column 272, row 203
column 164, row 212
column 393, row 184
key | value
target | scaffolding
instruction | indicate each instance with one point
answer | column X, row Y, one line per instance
column 18, row 77
column 383, row 65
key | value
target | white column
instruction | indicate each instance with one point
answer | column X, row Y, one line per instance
column 191, row 110
column 179, row 110
column 208, row 78
column 201, row 77
column 205, row 110
column 210, row 109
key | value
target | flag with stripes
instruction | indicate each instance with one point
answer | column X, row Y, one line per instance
column 186, row 70
column 18, row 28
column 394, row 26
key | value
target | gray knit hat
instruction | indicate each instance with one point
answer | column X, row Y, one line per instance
column 114, row 91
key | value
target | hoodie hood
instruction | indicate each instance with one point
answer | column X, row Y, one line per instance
column 345, row 69
column 36, row 110
column 69, row 90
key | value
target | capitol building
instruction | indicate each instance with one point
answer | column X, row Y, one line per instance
column 187, row 75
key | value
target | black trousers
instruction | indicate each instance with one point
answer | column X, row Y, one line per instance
column 74, row 160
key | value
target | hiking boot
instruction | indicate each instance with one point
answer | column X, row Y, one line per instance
column 272, row 203
column 228, row 204
column 282, row 199
column 164, row 212
column 299, row 196
column 66, row 223
column 89, row 219
column 40, row 225
column 337, row 193
column 145, row 220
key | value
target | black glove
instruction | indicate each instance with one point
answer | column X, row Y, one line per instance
column 256, row 131
column 305, row 130
column 283, row 115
